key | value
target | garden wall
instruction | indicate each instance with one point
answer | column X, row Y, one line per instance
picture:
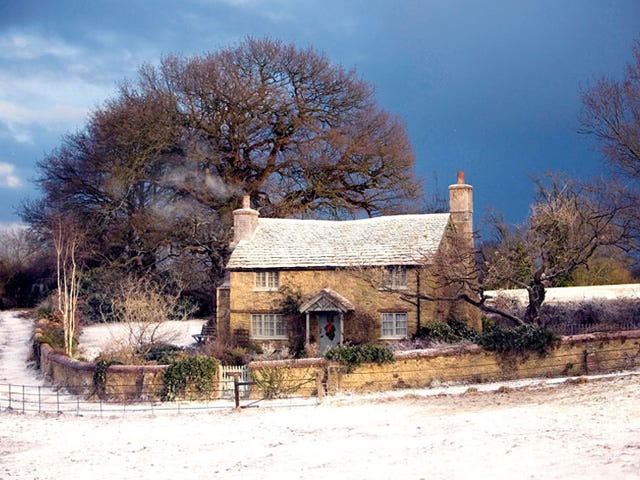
column 122, row 383
column 576, row 355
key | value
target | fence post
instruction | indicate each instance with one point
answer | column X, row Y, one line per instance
column 319, row 387
column 236, row 390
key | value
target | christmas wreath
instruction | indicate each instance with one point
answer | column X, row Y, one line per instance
column 330, row 330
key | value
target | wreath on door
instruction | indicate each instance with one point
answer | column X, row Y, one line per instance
column 330, row 330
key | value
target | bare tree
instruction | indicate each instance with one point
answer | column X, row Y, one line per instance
column 67, row 240
column 158, row 169
column 611, row 114
column 144, row 305
column 567, row 225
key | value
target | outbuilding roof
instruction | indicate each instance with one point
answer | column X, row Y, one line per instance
column 379, row 241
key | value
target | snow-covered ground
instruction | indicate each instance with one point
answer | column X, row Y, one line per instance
column 585, row 428
column 575, row 294
column 575, row 431
column 16, row 366
column 103, row 336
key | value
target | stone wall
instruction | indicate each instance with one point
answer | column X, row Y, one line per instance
column 126, row 383
column 578, row 355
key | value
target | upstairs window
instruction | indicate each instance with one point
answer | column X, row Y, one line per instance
column 267, row 280
column 394, row 278
column 394, row 325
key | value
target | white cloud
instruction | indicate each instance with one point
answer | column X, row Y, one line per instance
column 57, row 103
column 24, row 46
column 7, row 176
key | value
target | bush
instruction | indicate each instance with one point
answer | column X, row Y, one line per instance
column 100, row 374
column 161, row 353
column 277, row 382
column 521, row 339
column 352, row 356
column 52, row 334
column 453, row 331
column 190, row 377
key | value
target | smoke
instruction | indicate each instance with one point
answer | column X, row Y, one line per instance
column 195, row 182
column 218, row 188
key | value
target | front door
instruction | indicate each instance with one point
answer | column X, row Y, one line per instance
column 329, row 334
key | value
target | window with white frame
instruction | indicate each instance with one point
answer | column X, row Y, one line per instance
column 394, row 277
column 394, row 325
column 268, row 326
column 267, row 280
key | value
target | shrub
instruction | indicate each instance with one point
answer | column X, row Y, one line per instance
column 453, row 331
column 191, row 377
column 521, row 339
column 352, row 356
column 100, row 374
column 161, row 353
column 277, row 382
column 53, row 335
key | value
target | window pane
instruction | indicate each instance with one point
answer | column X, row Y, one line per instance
column 401, row 324
column 281, row 330
column 387, row 324
column 256, row 325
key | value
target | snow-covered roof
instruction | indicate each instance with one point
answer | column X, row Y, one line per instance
column 388, row 240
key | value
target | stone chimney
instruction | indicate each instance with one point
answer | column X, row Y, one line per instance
column 461, row 207
column 245, row 221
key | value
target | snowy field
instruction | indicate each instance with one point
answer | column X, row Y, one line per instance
column 572, row 429
column 575, row 294
column 104, row 336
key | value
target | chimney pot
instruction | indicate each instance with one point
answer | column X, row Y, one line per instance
column 460, row 177
column 246, row 201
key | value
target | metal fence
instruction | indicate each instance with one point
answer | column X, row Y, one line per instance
column 582, row 328
column 234, row 390
column 44, row 399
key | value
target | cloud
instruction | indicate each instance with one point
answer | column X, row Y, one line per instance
column 7, row 176
column 24, row 46
column 53, row 101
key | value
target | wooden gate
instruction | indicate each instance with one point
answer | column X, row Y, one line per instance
column 227, row 377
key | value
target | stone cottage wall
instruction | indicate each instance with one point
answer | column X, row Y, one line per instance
column 360, row 288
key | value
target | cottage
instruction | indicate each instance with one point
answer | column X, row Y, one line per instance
column 321, row 283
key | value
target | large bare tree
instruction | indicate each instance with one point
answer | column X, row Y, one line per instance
column 158, row 169
column 567, row 225
column 611, row 114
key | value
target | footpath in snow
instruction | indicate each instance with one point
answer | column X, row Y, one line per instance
column 16, row 367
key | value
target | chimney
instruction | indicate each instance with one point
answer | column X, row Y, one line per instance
column 245, row 221
column 461, row 207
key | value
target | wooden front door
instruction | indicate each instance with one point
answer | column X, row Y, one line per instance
column 329, row 334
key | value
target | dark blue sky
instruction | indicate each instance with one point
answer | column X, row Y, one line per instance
column 491, row 87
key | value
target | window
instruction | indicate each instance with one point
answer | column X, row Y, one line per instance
column 267, row 280
column 394, row 277
column 394, row 325
column 268, row 326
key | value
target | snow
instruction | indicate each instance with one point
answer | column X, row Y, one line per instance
column 16, row 366
column 575, row 294
column 589, row 428
column 99, row 337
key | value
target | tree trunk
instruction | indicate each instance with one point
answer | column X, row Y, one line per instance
column 536, row 293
